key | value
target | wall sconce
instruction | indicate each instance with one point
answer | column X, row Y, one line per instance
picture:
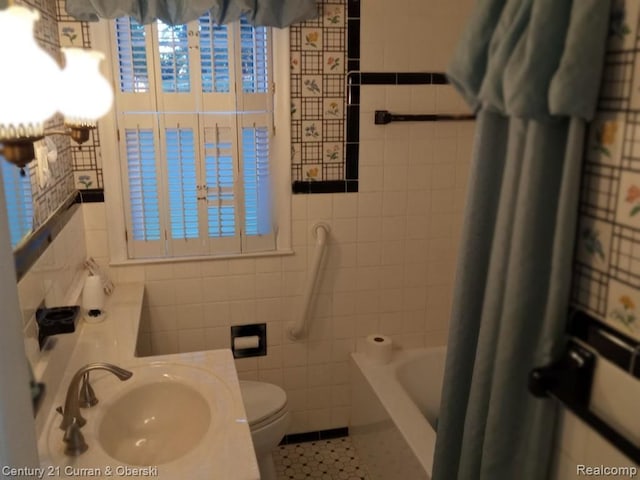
column 37, row 88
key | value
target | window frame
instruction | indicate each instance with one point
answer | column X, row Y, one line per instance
column 279, row 161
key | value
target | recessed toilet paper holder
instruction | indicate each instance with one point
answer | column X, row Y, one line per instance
column 249, row 340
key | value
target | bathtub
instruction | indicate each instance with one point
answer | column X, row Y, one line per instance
column 395, row 411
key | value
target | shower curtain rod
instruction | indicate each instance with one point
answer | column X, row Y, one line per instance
column 383, row 117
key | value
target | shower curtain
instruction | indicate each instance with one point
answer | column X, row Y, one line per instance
column 531, row 69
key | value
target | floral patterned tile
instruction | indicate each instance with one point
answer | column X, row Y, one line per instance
column 296, row 157
column 332, row 108
column 594, row 243
column 312, row 172
column 605, row 139
column 70, row 34
column 312, row 39
column 295, row 108
column 623, row 308
column 312, row 85
column 333, row 15
column 333, row 63
column 623, row 26
column 295, row 62
column 311, row 131
column 628, row 210
column 333, row 152
column 85, row 179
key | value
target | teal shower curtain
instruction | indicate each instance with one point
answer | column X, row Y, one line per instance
column 268, row 13
column 531, row 69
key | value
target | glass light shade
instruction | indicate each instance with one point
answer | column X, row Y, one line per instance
column 85, row 95
column 30, row 77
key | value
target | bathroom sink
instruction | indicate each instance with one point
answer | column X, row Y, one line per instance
column 169, row 415
column 154, row 423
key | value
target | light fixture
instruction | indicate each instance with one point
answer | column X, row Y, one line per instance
column 38, row 88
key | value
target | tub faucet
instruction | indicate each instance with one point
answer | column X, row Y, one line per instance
column 71, row 414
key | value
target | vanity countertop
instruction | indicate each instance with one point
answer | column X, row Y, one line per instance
column 227, row 453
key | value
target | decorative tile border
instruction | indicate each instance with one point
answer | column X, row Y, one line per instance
column 315, row 436
column 606, row 273
column 86, row 158
column 318, row 67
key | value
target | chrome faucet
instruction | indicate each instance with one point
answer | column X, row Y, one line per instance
column 72, row 420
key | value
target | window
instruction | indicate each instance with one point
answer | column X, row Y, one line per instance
column 195, row 130
column 17, row 193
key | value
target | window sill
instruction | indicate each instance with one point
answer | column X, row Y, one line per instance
column 200, row 258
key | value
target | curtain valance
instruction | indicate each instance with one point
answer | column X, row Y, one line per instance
column 532, row 58
column 271, row 13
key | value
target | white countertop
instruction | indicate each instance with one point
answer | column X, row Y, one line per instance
column 225, row 454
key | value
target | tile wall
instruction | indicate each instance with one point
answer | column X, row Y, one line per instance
column 606, row 282
column 318, row 68
column 50, row 279
column 390, row 263
column 389, row 266
column 47, row 197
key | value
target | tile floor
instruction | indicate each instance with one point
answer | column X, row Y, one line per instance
column 334, row 459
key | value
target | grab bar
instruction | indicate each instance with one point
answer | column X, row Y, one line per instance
column 383, row 117
column 321, row 232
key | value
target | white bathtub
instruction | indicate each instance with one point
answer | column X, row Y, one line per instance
column 394, row 412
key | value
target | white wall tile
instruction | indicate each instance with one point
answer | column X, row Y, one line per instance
column 192, row 340
column 188, row 291
column 216, row 314
column 392, row 249
column 190, row 316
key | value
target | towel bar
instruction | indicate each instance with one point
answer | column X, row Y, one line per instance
column 569, row 381
column 383, row 117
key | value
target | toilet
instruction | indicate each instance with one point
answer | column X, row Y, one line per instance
column 268, row 416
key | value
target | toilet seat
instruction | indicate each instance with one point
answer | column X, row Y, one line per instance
column 264, row 403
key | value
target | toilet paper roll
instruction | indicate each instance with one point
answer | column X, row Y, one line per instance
column 93, row 294
column 240, row 343
column 378, row 348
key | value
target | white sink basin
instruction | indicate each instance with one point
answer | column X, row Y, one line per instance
column 155, row 423
column 178, row 418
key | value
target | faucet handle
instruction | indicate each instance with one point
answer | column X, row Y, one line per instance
column 79, row 420
column 74, row 440
column 87, row 397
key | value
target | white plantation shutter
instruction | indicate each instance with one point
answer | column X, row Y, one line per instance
column 173, row 53
column 132, row 44
column 214, row 56
column 221, row 167
column 217, row 60
column 195, row 121
column 254, row 45
column 254, row 68
column 145, row 230
column 132, row 55
column 257, row 189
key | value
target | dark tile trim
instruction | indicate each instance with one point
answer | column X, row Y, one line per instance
column 328, row 186
column 355, row 79
column 397, row 78
column 315, row 436
column 91, row 195
column 613, row 345
column 353, row 9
